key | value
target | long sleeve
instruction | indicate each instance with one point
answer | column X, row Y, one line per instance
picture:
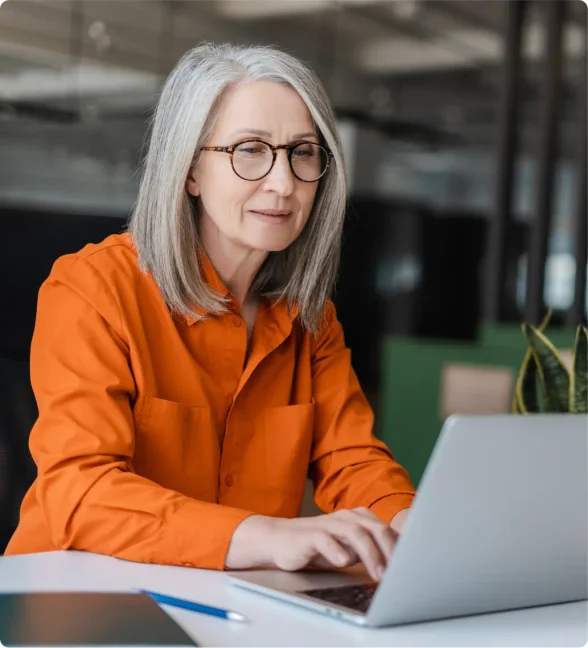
column 349, row 466
column 84, row 440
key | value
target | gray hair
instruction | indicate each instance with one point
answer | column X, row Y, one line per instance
column 163, row 221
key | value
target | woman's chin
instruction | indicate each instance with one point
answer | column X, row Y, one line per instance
column 270, row 243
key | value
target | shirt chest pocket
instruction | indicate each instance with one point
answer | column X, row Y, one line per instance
column 175, row 446
column 280, row 451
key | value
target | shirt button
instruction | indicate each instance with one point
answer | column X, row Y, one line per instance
column 229, row 480
column 236, row 321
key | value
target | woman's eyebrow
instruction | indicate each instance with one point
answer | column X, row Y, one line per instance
column 252, row 131
column 303, row 135
column 262, row 133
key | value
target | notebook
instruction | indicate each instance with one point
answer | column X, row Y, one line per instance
column 78, row 619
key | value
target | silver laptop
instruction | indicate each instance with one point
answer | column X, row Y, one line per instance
column 499, row 522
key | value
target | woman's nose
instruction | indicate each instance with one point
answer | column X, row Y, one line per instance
column 280, row 179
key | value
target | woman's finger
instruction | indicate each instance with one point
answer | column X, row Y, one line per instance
column 331, row 550
column 383, row 534
column 362, row 542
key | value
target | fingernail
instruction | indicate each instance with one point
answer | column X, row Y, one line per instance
column 380, row 570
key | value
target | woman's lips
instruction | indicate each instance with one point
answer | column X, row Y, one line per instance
column 272, row 215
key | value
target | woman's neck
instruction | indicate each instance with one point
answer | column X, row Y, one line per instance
column 235, row 265
column 237, row 273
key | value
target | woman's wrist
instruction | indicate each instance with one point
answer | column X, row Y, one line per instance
column 251, row 544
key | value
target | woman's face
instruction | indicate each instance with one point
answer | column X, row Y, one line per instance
column 229, row 206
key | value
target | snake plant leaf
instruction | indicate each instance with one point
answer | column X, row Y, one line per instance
column 545, row 321
column 579, row 374
column 525, row 397
column 526, row 386
column 554, row 377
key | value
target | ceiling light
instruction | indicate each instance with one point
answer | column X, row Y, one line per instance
column 91, row 79
column 270, row 8
column 404, row 9
column 96, row 30
column 534, row 40
column 408, row 55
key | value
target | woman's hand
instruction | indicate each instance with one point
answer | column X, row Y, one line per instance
column 338, row 539
column 399, row 520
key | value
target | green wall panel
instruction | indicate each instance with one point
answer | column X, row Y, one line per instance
column 409, row 409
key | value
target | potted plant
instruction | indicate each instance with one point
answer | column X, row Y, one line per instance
column 544, row 383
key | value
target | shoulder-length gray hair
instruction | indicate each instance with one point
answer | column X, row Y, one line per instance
column 163, row 223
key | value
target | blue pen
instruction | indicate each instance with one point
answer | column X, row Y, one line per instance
column 194, row 607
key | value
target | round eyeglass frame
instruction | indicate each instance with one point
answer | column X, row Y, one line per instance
column 274, row 149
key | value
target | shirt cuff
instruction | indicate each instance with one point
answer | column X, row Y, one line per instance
column 202, row 537
column 387, row 507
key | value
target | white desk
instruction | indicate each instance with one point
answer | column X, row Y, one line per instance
column 279, row 624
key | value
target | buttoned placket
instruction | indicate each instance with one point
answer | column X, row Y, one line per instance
column 235, row 437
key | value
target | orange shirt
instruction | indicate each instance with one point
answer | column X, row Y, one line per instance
column 155, row 439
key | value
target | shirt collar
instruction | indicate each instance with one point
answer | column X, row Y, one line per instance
column 212, row 278
column 211, row 275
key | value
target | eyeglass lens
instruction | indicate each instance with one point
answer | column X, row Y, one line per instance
column 253, row 160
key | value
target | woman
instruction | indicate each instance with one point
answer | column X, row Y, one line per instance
column 191, row 372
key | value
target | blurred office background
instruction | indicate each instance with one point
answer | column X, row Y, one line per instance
column 464, row 126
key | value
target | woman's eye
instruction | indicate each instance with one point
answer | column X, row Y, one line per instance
column 304, row 152
column 250, row 150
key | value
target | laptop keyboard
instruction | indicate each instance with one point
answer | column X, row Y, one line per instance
column 355, row 597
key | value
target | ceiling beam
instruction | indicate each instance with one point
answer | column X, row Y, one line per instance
column 457, row 10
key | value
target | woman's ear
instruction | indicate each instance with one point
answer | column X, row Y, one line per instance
column 192, row 183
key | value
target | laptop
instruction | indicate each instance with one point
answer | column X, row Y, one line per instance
column 499, row 522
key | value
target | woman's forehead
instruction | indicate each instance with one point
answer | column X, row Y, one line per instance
column 268, row 134
column 264, row 109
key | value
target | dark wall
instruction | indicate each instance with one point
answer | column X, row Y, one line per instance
column 408, row 271
column 30, row 242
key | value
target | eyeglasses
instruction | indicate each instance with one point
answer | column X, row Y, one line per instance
column 254, row 159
